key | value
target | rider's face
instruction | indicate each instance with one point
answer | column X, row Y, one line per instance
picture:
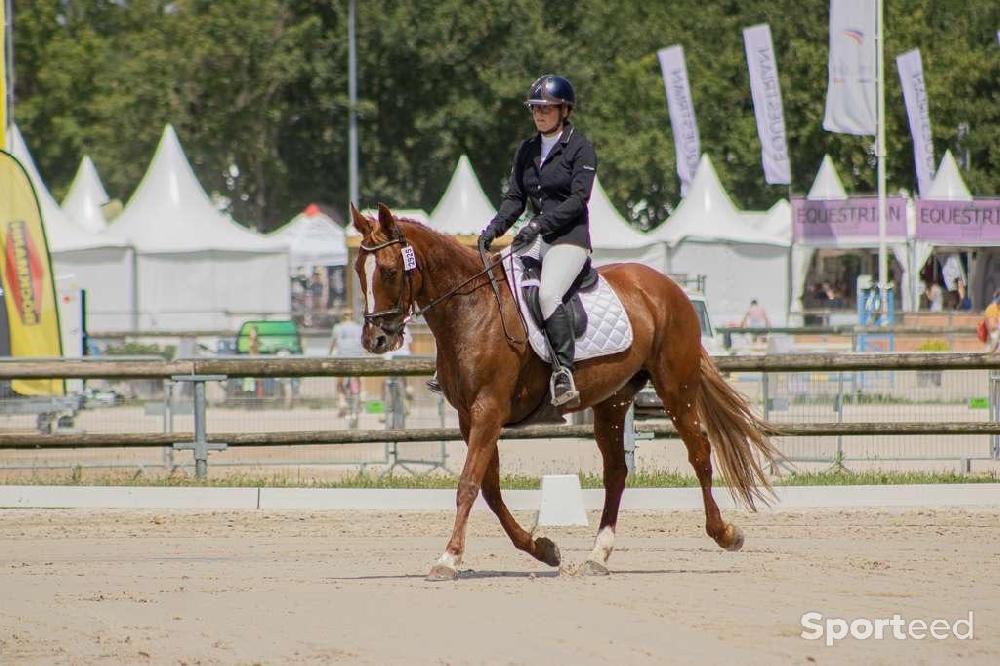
column 547, row 117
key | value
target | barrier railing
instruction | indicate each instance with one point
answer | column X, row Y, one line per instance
column 198, row 371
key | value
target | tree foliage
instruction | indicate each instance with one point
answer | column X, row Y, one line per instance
column 257, row 90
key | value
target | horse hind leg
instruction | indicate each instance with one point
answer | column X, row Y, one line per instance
column 683, row 411
column 609, row 431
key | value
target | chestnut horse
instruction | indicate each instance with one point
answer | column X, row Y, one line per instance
column 494, row 379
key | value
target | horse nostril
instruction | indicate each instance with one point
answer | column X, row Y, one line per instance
column 379, row 341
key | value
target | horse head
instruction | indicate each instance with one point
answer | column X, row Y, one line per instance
column 386, row 267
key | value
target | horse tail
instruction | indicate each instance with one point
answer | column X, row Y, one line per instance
column 741, row 439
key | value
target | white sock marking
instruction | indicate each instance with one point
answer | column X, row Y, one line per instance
column 603, row 545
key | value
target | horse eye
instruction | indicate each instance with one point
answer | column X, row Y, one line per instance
column 388, row 273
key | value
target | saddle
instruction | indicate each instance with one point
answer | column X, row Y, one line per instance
column 586, row 281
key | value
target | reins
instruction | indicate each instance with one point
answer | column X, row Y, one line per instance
column 488, row 267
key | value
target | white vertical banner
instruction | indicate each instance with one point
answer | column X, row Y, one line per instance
column 766, row 91
column 911, row 76
column 681, row 107
column 851, row 93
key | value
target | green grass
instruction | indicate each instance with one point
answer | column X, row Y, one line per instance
column 644, row 479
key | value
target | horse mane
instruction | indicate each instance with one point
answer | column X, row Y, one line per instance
column 444, row 244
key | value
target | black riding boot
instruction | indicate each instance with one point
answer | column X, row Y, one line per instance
column 559, row 330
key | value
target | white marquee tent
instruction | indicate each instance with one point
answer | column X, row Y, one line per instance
column 97, row 263
column 85, row 197
column 313, row 239
column 464, row 207
column 196, row 267
column 827, row 186
column 615, row 240
column 743, row 254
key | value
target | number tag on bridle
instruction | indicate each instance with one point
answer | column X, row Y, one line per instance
column 409, row 258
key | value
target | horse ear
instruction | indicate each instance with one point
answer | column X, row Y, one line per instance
column 361, row 223
column 386, row 221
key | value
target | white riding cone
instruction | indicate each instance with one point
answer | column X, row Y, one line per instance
column 562, row 501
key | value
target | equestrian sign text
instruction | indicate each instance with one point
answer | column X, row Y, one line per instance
column 976, row 222
column 854, row 217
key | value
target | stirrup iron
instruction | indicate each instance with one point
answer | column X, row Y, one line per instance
column 569, row 398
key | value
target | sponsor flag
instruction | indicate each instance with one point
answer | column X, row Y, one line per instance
column 32, row 316
column 850, row 93
column 766, row 91
column 911, row 76
column 682, row 121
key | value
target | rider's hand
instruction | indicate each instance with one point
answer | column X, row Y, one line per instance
column 528, row 233
column 486, row 239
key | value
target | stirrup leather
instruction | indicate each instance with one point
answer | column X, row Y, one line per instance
column 570, row 397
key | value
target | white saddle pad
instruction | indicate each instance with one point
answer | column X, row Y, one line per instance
column 609, row 330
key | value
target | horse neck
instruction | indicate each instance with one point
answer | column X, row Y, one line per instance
column 444, row 264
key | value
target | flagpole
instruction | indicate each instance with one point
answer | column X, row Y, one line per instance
column 883, row 259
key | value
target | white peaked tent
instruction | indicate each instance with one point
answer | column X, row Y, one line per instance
column 196, row 267
column 97, row 263
column 827, row 186
column 948, row 184
column 463, row 208
column 313, row 239
column 85, row 197
column 615, row 240
column 743, row 254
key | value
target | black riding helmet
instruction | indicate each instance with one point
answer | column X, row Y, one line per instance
column 551, row 89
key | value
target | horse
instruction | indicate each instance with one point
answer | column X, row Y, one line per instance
column 494, row 379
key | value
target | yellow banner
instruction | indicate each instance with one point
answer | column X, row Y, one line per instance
column 32, row 316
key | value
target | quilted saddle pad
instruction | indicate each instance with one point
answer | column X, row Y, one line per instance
column 609, row 330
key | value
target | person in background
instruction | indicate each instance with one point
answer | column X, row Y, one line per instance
column 964, row 303
column 756, row 317
column 992, row 317
column 345, row 340
column 935, row 297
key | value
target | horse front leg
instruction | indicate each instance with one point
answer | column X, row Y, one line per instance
column 542, row 548
column 482, row 445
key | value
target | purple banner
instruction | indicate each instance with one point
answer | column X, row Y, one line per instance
column 854, row 217
column 975, row 222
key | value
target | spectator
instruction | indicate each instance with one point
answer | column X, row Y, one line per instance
column 756, row 317
column 935, row 297
column 964, row 303
column 345, row 340
column 992, row 317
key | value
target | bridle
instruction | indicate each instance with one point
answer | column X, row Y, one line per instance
column 411, row 311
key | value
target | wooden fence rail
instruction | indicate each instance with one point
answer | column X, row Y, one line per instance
column 244, row 366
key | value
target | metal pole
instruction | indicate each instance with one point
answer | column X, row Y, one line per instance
column 352, row 93
column 200, row 449
column 629, row 427
column 883, row 258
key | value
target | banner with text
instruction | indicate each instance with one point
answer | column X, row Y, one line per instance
column 854, row 217
column 974, row 222
column 687, row 145
column 29, row 297
column 850, row 92
column 911, row 76
column 766, row 91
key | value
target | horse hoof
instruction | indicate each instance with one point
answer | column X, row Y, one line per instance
column 734, row 540
column 441, row 572
column 547, row 551
column 592, row 568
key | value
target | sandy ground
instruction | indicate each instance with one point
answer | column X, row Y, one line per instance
column 320, row 587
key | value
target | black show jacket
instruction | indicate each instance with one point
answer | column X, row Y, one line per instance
column 557, row 191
